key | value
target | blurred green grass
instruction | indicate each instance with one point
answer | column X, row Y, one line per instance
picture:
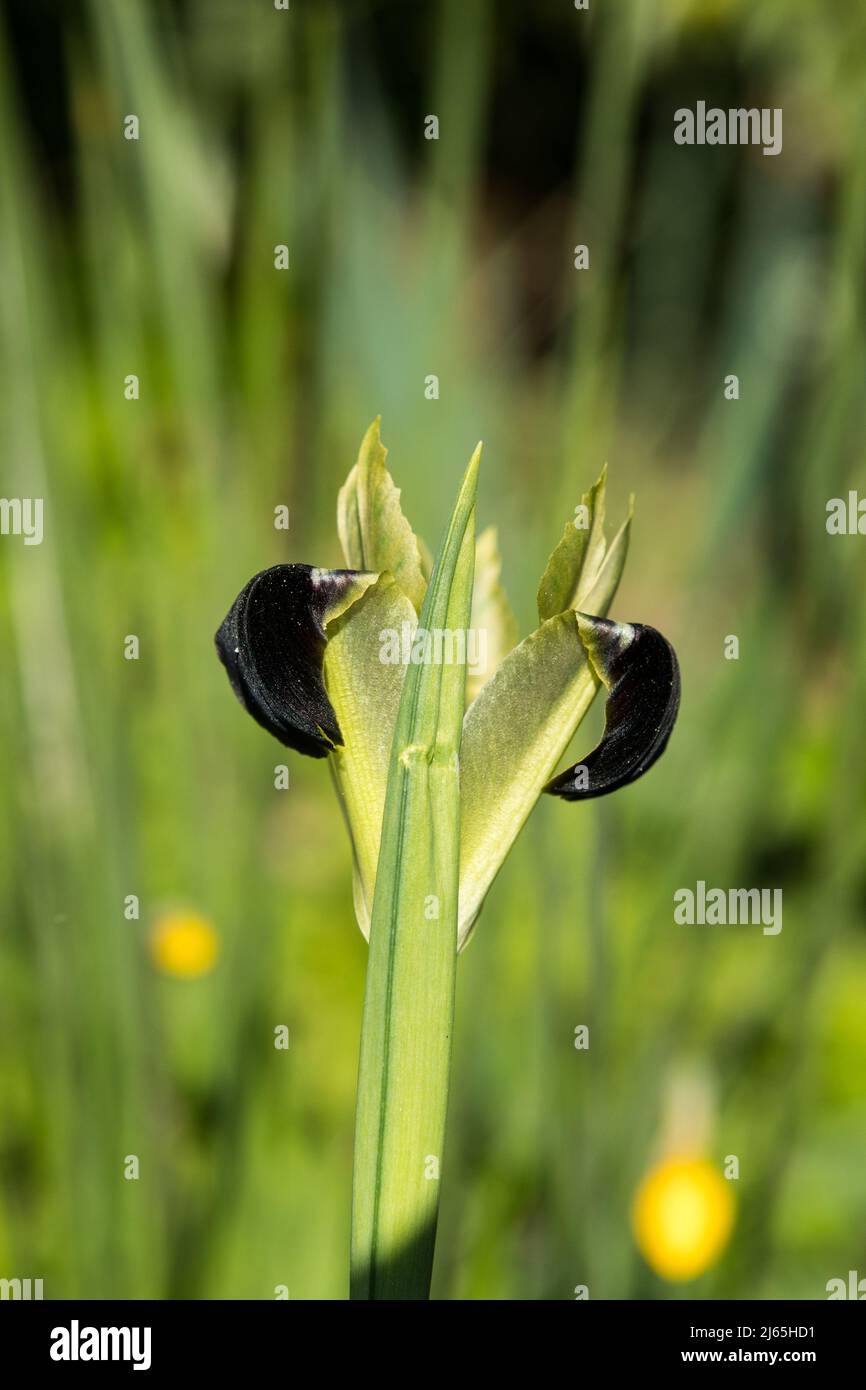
column 156, row 257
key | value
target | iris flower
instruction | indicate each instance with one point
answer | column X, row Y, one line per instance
column 308, row 652
column 437, row 763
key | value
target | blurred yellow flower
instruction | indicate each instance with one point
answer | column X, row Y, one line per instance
column 184, row 944
column 682, row 1217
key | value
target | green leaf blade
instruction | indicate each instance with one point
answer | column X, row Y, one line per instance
column 409, row 1001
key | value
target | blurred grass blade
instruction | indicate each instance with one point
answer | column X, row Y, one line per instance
column 409, row 1003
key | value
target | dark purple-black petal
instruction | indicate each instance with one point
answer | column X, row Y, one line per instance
column 639, row 669
column 272, row 644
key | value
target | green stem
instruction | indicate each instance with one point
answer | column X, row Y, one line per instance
column 409, row 1002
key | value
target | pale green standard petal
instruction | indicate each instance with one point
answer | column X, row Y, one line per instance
column 493, row 624
column 597, row 594
column 365, row 692
column 514, row 734
column 583, row 572
column 524, row 717
column 374, row 533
